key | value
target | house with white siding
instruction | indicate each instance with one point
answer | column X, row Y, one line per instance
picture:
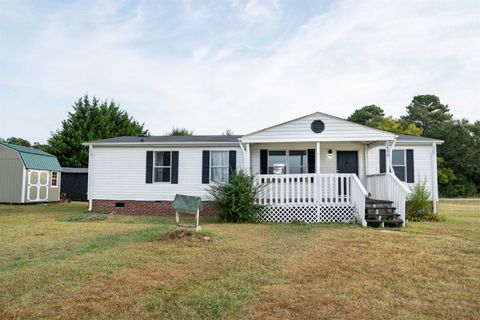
column 316, row 168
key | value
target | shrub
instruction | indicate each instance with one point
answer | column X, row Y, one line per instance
column 419, row 204
column 235, row 199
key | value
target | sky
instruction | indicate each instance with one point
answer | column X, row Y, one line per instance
column 241, row 65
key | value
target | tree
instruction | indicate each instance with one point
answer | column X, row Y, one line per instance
column 392, row 125
column 228, row 132
column 90, row 120
column 461, row 154
column 18, row 141
column 445, row 175
column 427, row 113
column 368, row 116
column 180, row 132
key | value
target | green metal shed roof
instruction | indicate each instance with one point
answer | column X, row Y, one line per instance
column 35, row 159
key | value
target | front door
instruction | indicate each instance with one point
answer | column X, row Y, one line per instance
column 347, row 162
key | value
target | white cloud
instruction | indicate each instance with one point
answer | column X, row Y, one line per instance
column 258, row 10
column 353, row 54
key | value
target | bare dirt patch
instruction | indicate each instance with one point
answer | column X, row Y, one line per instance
column 185, row 235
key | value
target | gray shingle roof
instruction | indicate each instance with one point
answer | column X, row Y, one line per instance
column 213, row 139
column 406, row 138
column 74, row 170
column 170, row 139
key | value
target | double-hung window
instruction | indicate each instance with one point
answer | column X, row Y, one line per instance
column 219, row 166
column 399, row 164
column 162, row 166
column 280, row 162
column 297, row 161
column 54, row 179
column 277, row 162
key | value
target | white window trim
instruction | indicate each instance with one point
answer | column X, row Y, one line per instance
column 399, row 165
column 56, row 179
column 210, row 166
column 158, row 167
column 287, row 160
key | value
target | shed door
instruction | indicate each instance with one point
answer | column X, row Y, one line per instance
column 37, row 186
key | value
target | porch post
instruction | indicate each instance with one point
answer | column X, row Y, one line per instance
column 247, row 158
column 365, row 159
column 318, row 193
column 388, row 155
column 317, row 159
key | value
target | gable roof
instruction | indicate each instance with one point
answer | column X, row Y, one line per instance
column 34, row 158
column 336, row 129
column 406, row 138
column 74, row 170
column 197, row 139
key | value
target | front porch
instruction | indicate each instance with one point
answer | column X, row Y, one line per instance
column 312, row 197
column 323, row 182
column 320, row 168
column 332, row 198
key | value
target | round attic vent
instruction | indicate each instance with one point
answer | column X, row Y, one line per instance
column 317, row 126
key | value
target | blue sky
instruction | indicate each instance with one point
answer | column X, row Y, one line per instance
column 243, row 65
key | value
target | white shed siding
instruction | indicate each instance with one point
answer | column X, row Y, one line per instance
column 336, row 129
column 327, row 165
column 118, row 173
column 422, row 158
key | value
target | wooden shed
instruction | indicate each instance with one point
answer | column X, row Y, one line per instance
column 28, row 175
column 74, row 183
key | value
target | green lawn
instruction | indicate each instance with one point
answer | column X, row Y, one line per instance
column 53, row 265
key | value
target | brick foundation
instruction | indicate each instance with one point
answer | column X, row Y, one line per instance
column 151, row 208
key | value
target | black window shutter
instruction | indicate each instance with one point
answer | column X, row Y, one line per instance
column 205, row 166
column 263, row 161
column 174, row 179
column 311, row 160
column 232, row 161
column 410, row 167
column 383, row 161
column 149, row 167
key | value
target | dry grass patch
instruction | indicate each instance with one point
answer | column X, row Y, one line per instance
column 426, row 271
column 117, row 268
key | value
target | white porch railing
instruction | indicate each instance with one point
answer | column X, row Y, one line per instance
column 386, row 186
column 313, row 189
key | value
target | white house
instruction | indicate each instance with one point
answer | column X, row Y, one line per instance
column 317, row 168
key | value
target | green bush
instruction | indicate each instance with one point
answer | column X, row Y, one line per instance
column 235, row 199
column 419, row 204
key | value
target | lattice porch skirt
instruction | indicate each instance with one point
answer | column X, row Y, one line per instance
column 310, row 213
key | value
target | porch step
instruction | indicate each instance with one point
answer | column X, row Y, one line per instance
column 380, row 209
column 390, row 223
column 381, row 213
column 377, row 201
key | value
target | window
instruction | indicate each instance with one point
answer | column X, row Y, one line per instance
column 162, row 166
column 54, row 179
column 277, row 162
column 219, row 166
column 297, row 161
column 280, row 163
column 399, row 164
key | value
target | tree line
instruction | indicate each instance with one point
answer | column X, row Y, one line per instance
column 458, row 157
